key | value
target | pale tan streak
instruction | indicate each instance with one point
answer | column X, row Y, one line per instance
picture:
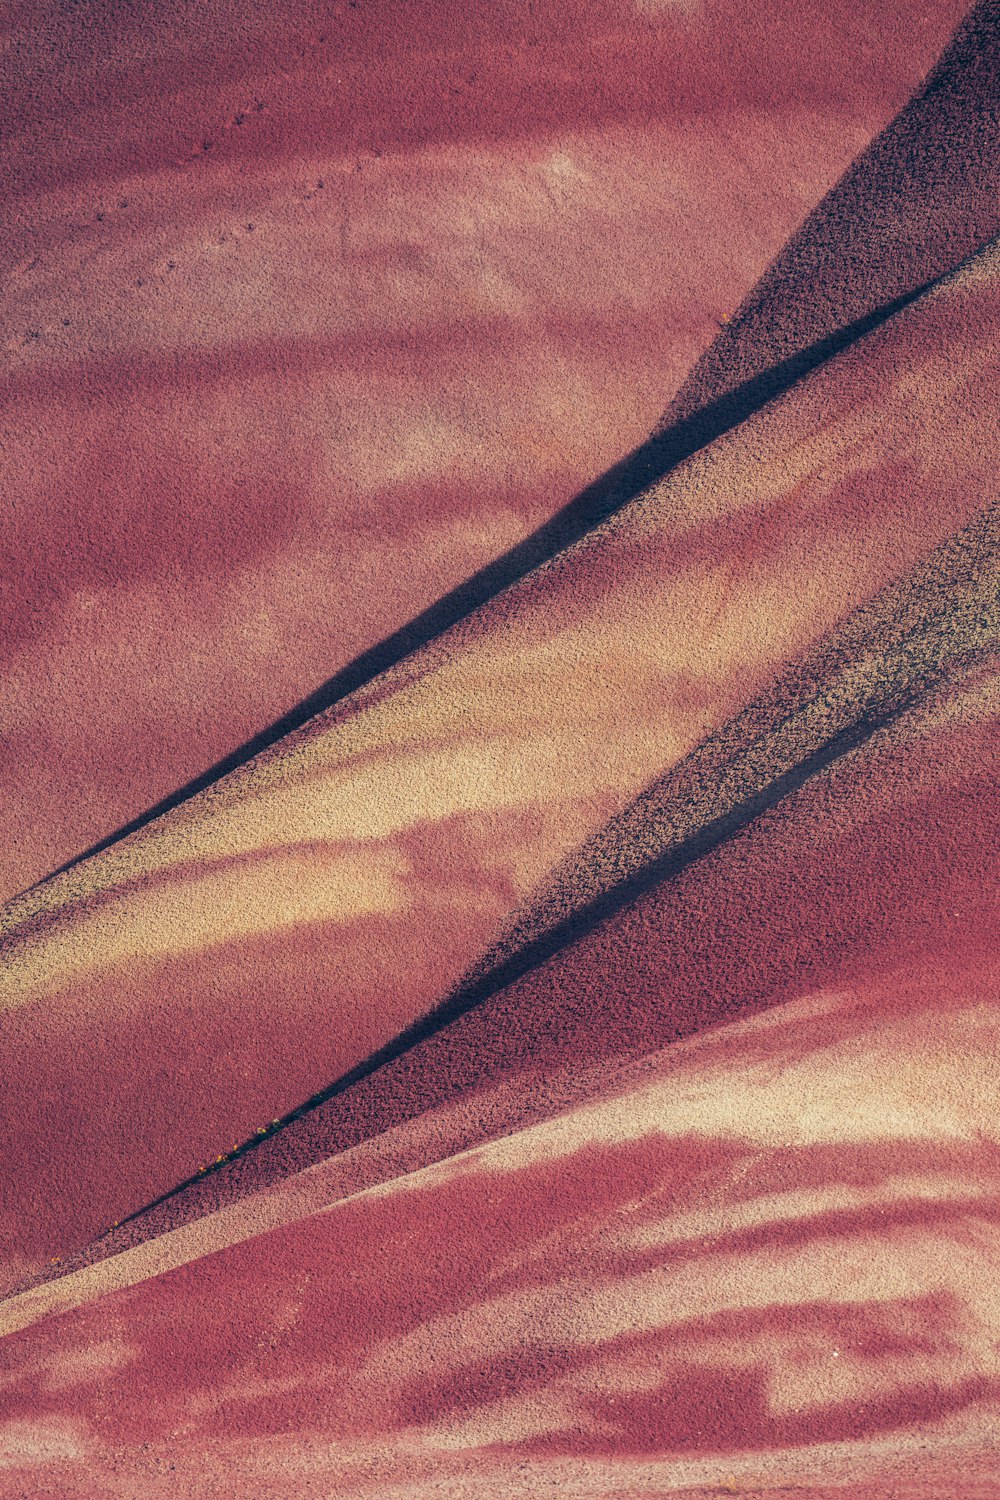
column 505, row 720
column 278, row 891
column 953, row 1459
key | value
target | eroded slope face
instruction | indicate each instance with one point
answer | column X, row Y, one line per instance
column 310, row 311
column 240, row 953
column 758, row 1258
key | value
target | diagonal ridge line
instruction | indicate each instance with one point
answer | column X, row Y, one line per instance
column 619, row 485
column 607, row 904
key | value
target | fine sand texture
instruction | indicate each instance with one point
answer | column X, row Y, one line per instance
column 498, row 975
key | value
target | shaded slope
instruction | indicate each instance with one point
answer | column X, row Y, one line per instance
column 921, row 197
column 170, row 981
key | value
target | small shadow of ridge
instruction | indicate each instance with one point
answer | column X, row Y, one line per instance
column 615, row 488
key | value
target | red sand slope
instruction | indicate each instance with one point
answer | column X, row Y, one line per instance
column 759, row 1258
column 292, row 294
column 219, row 966
column 680, row 852
column 816, row 872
